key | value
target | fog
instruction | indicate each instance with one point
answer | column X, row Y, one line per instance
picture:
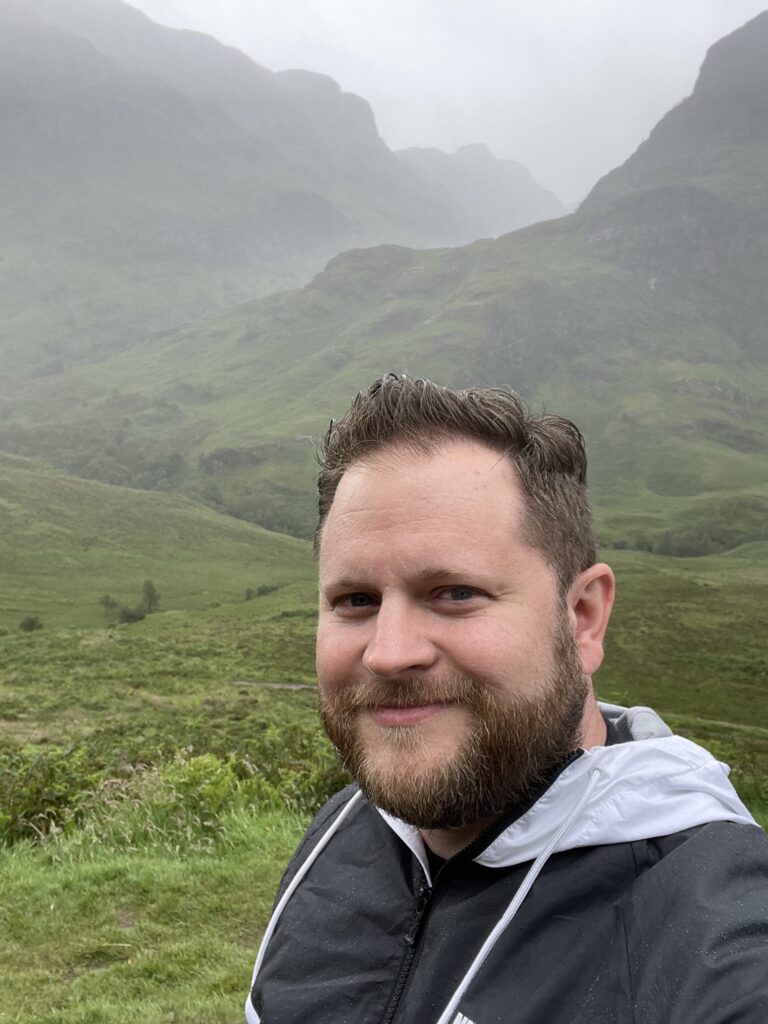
column 568, row 87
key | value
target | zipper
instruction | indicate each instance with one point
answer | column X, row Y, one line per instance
column 423, row 899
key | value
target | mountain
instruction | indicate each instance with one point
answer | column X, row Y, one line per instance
column 715, row 139
column 690, row 208
column 641, row 316
column 151, row 176
column 490, row 196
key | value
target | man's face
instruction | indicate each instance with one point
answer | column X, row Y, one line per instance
column 448, row 675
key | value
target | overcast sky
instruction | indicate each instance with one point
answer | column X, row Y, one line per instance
column 568, row 87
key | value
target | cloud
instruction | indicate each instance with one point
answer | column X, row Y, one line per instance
column 568, row 87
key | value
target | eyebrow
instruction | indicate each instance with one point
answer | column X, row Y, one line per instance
column 438, row 573
column 428, row 575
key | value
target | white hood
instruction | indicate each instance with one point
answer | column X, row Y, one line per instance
column 653, row 785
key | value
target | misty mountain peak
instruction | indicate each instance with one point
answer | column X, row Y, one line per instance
column 495, row 196
column 475, row 152
column 736, row 67
column 714, row 137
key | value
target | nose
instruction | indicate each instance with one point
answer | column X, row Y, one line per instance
column 399, row 642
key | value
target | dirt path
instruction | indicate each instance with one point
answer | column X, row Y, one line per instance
column 271, row 686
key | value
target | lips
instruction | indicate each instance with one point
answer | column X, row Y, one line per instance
column 402, row 716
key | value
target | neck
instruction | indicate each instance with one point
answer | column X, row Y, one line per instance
column 592, row 732
column 447, row 842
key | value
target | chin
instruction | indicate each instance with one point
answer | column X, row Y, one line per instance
column 430, row 742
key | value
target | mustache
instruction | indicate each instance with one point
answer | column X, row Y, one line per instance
column 372, row 693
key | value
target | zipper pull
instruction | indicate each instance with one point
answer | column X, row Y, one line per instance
column 422, row 899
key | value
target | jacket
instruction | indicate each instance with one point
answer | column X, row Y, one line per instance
column 633, row 890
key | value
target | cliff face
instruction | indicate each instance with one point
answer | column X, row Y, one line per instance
column 689, row 210
column 715, row 138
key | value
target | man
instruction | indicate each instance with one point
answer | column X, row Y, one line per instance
column 512, row 851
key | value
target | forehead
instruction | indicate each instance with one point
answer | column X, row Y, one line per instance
column 462, row 498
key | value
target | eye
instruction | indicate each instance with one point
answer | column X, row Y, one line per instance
column 457, row 595
column 357, row 602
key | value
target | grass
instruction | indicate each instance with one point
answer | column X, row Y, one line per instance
column 103, row 936
column 59, row 684
column 171, row 793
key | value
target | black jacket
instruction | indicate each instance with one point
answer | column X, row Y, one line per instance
column 661, row 929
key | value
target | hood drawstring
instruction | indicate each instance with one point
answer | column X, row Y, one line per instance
column 446, row 1017
column 250, row 1013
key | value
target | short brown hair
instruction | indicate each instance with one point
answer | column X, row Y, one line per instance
column 547, row 452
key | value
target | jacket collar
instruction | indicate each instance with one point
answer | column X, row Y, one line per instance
column 648, row 787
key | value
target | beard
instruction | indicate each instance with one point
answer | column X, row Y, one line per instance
column 511, row 743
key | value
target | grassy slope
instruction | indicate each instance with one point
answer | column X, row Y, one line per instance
column 113, row 937
column 65, row 542
column 686, row 639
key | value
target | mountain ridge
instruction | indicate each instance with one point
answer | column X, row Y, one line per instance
column 152, row 175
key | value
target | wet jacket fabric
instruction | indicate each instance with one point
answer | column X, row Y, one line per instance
column 633, row 890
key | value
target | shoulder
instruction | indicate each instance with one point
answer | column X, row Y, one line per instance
column 732, row 854
column 697, row 926
column 322, row 821
column 714, row 866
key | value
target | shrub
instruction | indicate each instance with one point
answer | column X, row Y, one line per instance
column 150, row 598
column 30, row 624
column 180, row 806
column 154, row 793
column 41, row 791
column 126, row 615
column 110, row 606
column 261, row 591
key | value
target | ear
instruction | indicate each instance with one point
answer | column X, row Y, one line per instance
column 590, row 600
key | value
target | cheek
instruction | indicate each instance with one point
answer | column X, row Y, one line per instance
column 478, row 642
column 334, row 658
column 499, row 654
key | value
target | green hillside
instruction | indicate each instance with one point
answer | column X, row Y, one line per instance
column 65, row 542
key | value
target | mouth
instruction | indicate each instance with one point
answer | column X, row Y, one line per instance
column 393, row 717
